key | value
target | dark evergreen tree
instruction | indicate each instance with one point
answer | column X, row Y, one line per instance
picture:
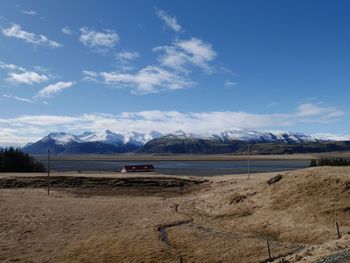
column 14, row 160
column 313, row 163
column 330, row 162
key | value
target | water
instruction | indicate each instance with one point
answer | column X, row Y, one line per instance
column 205, row 168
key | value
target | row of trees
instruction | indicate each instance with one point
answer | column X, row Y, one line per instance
column 14, row 160
column 330, row 162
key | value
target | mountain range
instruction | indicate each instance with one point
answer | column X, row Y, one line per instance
column 233, row 141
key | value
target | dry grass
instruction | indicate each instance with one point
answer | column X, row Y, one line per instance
column 228, row 221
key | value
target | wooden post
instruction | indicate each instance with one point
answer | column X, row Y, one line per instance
column 48, row 171
column 248, row 161
column 338, row 231
column 268, row 249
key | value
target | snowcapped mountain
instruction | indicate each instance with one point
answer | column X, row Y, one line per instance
column 101, row 136
column 140, row 139
column 179, row 134
column 110, row 142
column 91, row 142
column 106, row 136
column 264, row 136
column 109, row 137
column 60, row 138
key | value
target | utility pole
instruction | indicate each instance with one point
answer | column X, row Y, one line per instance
column 48, row 171
column 248, row 161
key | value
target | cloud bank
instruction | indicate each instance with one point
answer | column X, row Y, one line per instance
column 26, row 128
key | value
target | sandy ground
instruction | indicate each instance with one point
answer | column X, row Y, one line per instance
column 155, row 218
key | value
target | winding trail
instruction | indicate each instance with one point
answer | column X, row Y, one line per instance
column 162, row 229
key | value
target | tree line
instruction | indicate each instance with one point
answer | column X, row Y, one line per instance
column 330, row 162
column 14, row 160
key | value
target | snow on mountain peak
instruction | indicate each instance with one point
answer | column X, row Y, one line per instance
column 106, row 136
column 140, row 138
column 184, row 135
column 61, row 137
column 263, row 136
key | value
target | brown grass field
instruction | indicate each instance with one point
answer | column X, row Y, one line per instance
column 156, row 218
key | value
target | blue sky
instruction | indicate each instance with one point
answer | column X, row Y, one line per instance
column 198, row 66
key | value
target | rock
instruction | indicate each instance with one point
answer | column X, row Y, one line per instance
column 275, row 179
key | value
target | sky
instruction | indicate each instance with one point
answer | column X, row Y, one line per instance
column 198, row 66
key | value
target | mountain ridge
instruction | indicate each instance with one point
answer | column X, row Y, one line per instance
column 104, row 142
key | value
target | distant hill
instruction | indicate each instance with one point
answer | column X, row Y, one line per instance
column 210, row 146
column 234, row 141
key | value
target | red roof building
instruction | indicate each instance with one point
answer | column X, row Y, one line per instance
column 137, row 168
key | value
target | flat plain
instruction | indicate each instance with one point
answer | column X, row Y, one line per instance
column 113, row 217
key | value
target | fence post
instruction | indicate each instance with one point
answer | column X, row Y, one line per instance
column 268, row 249
column 338, row 231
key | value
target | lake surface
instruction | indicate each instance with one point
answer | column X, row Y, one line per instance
column 205, row 168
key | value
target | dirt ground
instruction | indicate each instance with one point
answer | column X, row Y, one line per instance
column 157, row 218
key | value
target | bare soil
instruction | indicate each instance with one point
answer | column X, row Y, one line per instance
column 156, row 218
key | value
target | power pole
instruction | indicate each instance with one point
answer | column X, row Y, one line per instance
column 48, row 171
column 248, row 161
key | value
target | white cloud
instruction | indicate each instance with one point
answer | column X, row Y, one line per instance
column 181, row 56
column 169, row 20
column 185, row 53
column 53, row 89
column 12, row 67
column 17, row 98
column 126, row 56
column 200, row 52
column 14, row 137
column 203, row 123
column 27, row 77
column 272, row 104
column 67, row 31
column 15, row 31
column 229, row 83
column 90, row 75
column 100, row 41
column 29, row 12
column 332, row 137
column 306, row 110
column 151, row 79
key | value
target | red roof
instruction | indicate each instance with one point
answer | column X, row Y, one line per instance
column 134, row 168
